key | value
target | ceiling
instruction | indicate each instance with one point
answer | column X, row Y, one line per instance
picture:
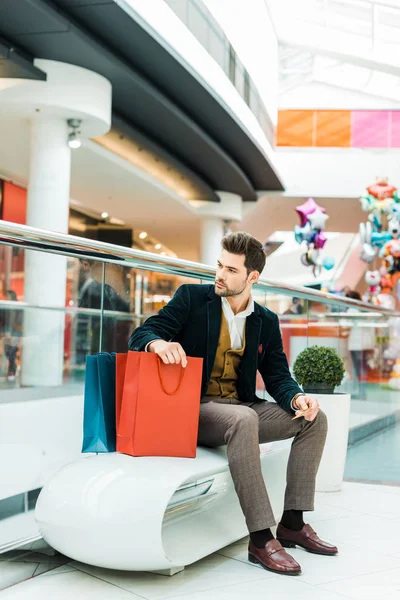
column 152, row 90
column 351, row 45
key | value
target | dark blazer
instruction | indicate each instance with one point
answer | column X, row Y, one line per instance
column 193, row 318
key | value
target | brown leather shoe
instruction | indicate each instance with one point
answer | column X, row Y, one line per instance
column 306, row 538
column 274, row 558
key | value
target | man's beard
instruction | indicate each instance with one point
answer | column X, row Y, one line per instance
column 227, row 292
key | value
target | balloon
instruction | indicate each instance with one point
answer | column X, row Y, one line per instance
column 304, row 260
column 328, row 263
column 317, row 270
column 306, row 209
column 367, row 203
column 320, row 240
column 368, row 253
column 381, row 189
column 395, row 210
column 380, row 239
column 376, row 220
column 318, row 219
column 303, row 234
column 365, row 232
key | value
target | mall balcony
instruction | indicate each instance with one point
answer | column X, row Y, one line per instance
column 133, row 136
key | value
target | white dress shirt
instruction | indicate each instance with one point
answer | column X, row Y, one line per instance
column 236, row 322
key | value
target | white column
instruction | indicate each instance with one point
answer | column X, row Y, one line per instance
column 69, row 92
column 46, row 274
column 211, row 234
column 213, row 215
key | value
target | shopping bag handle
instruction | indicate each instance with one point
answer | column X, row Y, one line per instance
column 162, row 381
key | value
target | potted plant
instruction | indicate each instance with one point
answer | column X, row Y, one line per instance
column 319, row 370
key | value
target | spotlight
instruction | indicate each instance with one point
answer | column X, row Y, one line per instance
column 143, row 235
column 74, row 140
column 104, row 215
column 158, row 246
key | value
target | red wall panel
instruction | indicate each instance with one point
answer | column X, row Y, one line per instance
column 14, row 203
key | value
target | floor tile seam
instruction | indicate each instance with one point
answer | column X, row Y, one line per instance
column 350, row 577
column 50, row 574
column 11, row 559
column 320, row 585
column 29, row 578
column 270, row 577
column 360, row 545
column 110, row 583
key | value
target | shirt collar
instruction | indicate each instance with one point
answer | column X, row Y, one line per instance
column 245, row 313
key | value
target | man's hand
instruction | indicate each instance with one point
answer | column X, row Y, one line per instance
column 169, row 352
column 309, row 403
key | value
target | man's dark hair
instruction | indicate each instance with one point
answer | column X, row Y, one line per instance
column 241, row 242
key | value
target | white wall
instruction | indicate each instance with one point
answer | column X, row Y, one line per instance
column 322, row 96
column 335, row 172
column 285, row 265
column 37, row 437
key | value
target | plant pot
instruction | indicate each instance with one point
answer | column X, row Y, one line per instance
column 331, row 469
column 318, row 388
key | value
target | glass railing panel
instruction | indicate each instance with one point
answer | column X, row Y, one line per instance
column 294, row 321
column 158, row 289
column 38, row 303
column 130, row 297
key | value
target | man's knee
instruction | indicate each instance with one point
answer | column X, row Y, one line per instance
column 321, row 421
column 245, row 417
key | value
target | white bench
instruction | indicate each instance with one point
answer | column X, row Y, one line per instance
column 150, row 514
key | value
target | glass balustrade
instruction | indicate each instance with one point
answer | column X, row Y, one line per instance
column 105, row 292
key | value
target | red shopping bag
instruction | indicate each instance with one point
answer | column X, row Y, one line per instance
column 160, row 408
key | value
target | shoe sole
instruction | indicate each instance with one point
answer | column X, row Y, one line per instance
column 286, row 544
column 255, row 561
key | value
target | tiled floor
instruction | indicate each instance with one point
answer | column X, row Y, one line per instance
column 362, row 519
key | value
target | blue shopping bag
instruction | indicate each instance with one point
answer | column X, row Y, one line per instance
column 99, row 433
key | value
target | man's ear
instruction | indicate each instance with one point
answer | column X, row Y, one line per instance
column 254, row 276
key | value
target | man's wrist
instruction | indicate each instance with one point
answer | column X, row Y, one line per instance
column 293, row 402
column 147, row 347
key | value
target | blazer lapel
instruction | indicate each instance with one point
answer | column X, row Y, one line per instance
column 214, row 316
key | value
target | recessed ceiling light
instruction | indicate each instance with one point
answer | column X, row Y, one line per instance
column 158, row 246
column 163, row 253
column 104, row 215
column 143, row 235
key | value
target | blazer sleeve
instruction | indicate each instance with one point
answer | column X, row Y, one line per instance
column 275, row 371
column 166, row 325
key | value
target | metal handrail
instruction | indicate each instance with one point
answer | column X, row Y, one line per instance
column 14, row 305
column 31, row 238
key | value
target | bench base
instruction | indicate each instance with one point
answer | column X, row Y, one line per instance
column 150, row 513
